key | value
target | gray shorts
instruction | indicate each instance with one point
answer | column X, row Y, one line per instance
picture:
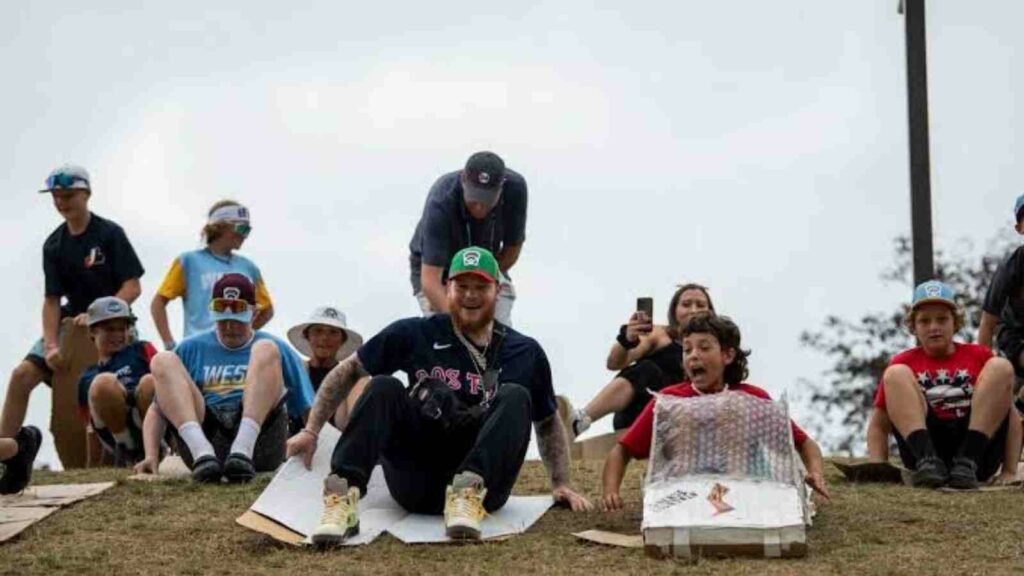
column 502, row 310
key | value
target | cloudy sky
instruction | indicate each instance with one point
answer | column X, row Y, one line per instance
column 757, row 147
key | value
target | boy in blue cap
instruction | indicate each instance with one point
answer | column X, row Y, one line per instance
column 949, row 403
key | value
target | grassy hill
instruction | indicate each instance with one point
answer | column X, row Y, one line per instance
column 181, row 528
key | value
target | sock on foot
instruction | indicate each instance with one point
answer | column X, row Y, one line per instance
column 245, row 441
column 974, row 445
column 920, row 442
column 196, row 441
column 468, row 480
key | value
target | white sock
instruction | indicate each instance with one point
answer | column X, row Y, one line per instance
column 192, row 433
column 245, row 442
column 125, row 439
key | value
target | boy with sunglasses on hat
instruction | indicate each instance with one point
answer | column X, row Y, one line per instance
column 193, row 273
column 114, row 394
column 949, row 403
column 227, row 392
column 85, row 258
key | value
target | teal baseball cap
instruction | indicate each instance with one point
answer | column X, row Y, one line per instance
column 933, row 291
column 474, row 260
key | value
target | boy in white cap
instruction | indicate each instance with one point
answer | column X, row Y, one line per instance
column 192, row 274
column 114, row 394
column 948, row 402
column 227, row 392
column 85, row 258
column 325, row 339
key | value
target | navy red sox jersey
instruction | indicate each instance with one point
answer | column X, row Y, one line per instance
column 948, row 382
column 428, row 347
column 128, row 364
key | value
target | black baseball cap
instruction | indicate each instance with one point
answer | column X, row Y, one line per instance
column 482, row 178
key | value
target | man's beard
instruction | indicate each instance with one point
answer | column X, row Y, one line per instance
column 486, row 316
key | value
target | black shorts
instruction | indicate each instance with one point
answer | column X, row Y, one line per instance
column 40, row 362
column 643, row 376
column 947, row 435
column 220, row 424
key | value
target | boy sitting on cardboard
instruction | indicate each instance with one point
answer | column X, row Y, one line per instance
column 113, row 395
column 714, row 362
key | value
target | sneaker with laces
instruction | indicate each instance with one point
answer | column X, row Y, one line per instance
column 930, row 472
column 17, row 470
column 464, row 507
column 340, row 519
column 963, row 474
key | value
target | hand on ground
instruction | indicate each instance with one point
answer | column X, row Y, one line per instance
column 612, row 502
column 302, row 444
column 147, row 466
column 567, row 496
column 816, row 480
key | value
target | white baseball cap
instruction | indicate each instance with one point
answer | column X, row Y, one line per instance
column 326, row 316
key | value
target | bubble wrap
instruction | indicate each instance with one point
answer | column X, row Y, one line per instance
column 724, row 435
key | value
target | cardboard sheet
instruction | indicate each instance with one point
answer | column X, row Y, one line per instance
column 690, row 502
column 289, row 508
column 611, row 538
column 171, row 468
column 19, row 511
column 863, row 471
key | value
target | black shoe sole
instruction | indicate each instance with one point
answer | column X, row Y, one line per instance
column 238, row 471
column 207, row 474
column 332, row 541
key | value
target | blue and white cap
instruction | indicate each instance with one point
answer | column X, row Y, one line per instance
column 933, row 291
column 67, row 177
column 1018, row 204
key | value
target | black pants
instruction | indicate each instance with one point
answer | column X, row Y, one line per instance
column 643, row 376
column 419, row 457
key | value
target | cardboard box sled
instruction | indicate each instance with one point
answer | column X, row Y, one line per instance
column 710, row 516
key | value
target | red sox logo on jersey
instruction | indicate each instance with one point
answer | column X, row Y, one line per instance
column 453, row 378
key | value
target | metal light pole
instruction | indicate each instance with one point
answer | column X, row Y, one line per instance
column 920, row 162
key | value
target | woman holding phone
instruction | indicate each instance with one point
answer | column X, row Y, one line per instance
column 649, row 356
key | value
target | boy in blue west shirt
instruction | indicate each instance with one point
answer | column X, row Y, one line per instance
column 227, row 392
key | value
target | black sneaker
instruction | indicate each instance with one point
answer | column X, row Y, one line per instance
column 239, row 468
column 207, row 469
column 930, row 472
column 18, row 468
column 963, row 475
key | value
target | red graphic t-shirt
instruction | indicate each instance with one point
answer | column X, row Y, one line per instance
column 637, row 440
column 948, row 382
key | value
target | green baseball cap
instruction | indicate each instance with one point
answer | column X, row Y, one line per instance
column 474, row 260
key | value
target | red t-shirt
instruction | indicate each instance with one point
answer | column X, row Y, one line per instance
column 948, row 382
column 637, row 440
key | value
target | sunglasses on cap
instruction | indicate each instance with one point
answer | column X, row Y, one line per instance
column 229, row 306
column 242, row 228
column 65, row 180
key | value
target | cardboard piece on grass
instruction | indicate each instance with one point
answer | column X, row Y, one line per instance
column 859, row 470
column 515, row 517
column 611, row 538
column 19, row 511
column 171, row 468
column 289, row 508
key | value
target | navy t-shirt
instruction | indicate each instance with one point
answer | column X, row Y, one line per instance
column 423, row 347
column 1005, row 296
column 129, row 365
column 447, row 227
column 88, row 266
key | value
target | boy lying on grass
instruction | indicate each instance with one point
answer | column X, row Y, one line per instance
column 714, row 362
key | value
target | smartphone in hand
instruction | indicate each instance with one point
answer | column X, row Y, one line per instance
column 645, row 305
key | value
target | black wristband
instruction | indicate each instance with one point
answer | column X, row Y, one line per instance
column 623, row 341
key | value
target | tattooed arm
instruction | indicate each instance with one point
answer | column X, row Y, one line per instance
column 333, row 391
column 553, row 445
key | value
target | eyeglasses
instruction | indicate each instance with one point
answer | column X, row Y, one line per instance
column 229, row 305
column 65, row 180
column 242, row 228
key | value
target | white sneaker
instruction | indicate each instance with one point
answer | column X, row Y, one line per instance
column 340, row 520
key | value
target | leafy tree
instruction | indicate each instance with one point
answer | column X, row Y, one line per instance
column 859, row 350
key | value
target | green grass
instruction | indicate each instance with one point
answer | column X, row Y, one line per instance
column 181, row 528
